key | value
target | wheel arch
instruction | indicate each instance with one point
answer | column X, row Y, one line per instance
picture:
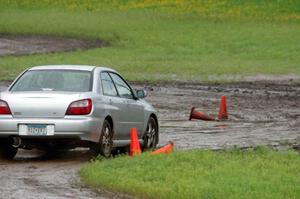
column 155, row 118
column 110, row 120
column 153, row 115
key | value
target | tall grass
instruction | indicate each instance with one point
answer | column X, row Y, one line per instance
column 215, row 9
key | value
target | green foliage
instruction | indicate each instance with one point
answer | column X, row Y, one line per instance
column 164, row 39
column 255, row 173
column 214, row 9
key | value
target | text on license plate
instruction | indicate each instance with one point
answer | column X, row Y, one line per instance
column 37, row 129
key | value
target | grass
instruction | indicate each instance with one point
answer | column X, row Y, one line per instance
column 164, row 40
column 256, row 173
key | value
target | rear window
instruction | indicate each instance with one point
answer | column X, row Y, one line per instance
column 54, row 80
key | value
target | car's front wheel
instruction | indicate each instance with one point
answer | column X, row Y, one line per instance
column 151, row 135
column 7, row 151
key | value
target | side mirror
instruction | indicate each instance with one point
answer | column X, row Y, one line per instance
column 141, row 94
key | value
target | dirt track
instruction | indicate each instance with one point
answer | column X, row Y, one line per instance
column 36, row 175
column 11, row 44
column 259, row 114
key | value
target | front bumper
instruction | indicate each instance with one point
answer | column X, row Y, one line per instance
column 84, row 128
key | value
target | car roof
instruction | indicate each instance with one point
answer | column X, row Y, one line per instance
column 70, row 67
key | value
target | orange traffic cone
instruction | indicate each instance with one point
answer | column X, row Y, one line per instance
column 223, row 109
column 199, row 115
column 135, row 148
column 166, row 149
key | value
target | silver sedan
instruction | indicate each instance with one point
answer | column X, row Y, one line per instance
column 65, row 106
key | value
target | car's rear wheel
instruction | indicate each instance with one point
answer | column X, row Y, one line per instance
column 7, row 151
column 151, row 135
column 105, row 143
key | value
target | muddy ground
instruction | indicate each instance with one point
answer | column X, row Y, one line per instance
column 262, row 113
column 259, row 114
column 28, row 44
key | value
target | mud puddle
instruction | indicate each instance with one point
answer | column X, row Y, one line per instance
column 259, row 114
column 11, row 44
column 35, row 174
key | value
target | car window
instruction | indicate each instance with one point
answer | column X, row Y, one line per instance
column 107, row 85
column 54, row 80
column 122, row 87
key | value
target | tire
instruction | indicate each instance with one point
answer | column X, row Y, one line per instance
column 105, row 145
column 150, row 136
column 7, row 151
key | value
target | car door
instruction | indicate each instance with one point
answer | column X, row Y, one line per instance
column 134, row 108
column 116, row 106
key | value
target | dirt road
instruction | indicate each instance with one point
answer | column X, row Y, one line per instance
column 265, row 114
column 13, row 44
column 34, row 174
column 259, row 114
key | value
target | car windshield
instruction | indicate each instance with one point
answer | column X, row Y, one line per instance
column 54, row 80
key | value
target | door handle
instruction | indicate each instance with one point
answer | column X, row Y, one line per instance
column 110, row 101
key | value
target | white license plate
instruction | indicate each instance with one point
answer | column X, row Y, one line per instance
column 36, row 129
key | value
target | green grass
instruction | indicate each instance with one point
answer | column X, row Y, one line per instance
column 164, row 40
column 258, row 173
